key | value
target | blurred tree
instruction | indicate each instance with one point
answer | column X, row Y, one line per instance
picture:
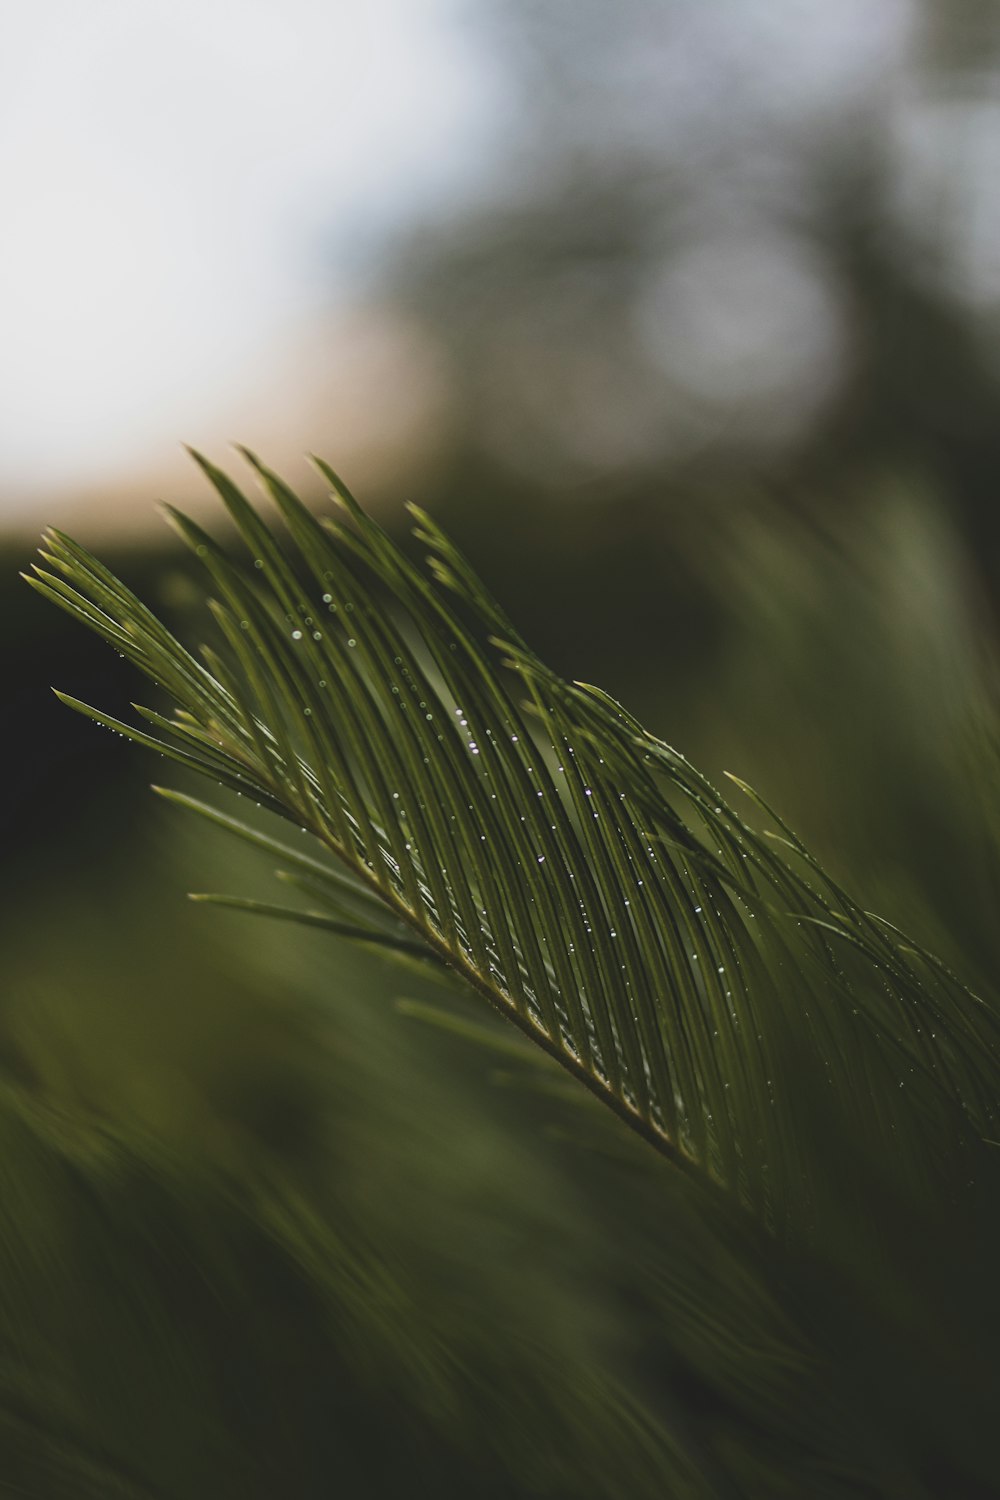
column 721, row 244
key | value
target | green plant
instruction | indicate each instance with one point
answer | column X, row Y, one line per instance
column 822, row 1089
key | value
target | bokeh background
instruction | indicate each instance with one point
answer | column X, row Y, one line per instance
column 685, row 319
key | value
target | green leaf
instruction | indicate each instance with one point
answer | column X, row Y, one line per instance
column 317, row 919
column 694, row 974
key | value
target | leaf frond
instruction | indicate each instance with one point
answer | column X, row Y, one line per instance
column 575, row 870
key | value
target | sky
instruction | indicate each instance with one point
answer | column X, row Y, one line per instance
column 181, row 182
column 195, row 192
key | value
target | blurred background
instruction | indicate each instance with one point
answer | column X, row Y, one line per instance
column 685, row 320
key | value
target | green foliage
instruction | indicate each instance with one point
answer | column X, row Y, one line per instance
column 227, row 1274
column 792, row 1054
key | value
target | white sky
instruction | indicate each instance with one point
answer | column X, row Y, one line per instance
column 175, row 175
column 180, row 178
